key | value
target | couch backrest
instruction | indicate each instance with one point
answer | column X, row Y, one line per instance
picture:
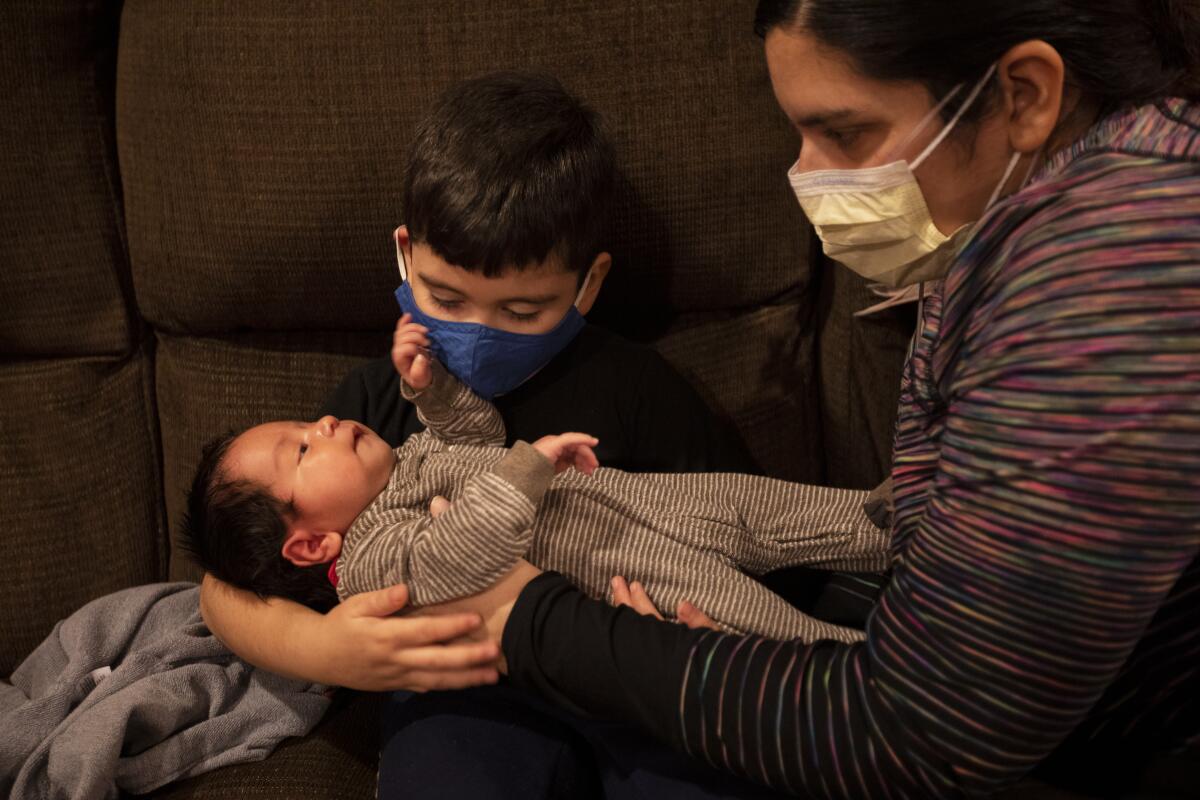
column 79, row 470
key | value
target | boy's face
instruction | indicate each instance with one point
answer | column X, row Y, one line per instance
column 330, row 470
column 532, row 300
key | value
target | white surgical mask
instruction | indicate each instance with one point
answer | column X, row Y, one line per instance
column 875, row 221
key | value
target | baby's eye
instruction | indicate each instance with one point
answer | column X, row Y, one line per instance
column 303, row 449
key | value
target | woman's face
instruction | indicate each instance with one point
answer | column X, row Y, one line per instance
column 848, row 121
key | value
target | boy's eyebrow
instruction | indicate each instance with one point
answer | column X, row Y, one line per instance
column 431, row 283
column 536, row 300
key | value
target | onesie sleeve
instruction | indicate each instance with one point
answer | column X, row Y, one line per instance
column 453, row 413
column 461, row 552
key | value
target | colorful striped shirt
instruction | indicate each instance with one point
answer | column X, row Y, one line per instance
column 1044, row 605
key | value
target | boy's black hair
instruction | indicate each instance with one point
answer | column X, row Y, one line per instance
column 507, row 169
column 235, row 531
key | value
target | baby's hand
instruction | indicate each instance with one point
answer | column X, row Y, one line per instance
column 410, row 346
column 568, row 450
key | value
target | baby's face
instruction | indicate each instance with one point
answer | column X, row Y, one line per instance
column 330, row 470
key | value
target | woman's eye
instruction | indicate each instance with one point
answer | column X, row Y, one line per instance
column 843, row 139
column 303, row 449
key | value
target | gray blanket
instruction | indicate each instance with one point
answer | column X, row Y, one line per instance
column 132, row 692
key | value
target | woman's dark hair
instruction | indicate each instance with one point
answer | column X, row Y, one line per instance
column 235, row 531
column 507, row 169
column 1120, row 53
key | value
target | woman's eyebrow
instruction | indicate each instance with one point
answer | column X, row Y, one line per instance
column 820, row 118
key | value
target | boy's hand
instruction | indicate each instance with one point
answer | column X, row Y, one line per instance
column 568, row 450
column 410, row 347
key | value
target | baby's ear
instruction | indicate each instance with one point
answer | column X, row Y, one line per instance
column 305, row 547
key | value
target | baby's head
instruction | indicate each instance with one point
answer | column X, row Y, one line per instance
column 268, row 508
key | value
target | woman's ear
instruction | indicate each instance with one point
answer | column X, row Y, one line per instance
column 593, row 282
column 306, row 548
column 1032, row 77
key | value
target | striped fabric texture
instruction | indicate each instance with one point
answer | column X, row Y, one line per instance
column 692, row 536
column 1045, row 595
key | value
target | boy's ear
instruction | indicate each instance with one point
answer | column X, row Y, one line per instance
column 305, row 548
column 594, row 280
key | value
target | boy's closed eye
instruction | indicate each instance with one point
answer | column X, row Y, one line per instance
column 523, row 315
column 444, row 303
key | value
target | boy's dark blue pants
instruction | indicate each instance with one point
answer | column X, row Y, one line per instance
column 499, row 742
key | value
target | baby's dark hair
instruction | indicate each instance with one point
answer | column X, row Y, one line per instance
column 234, row 530
column 507, row 169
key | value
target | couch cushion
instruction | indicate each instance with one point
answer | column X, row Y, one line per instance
column 209, row 386
column 860, row 360
column 66, row 280
column 78, row 485
column 261, row 149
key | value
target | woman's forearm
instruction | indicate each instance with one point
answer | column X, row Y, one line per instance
column 273, row 634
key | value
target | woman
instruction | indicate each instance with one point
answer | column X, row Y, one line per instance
column 1044, row 608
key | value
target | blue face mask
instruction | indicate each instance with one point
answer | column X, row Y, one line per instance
column 490, row 361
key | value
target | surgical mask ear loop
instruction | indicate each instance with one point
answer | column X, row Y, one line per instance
column 923, row 124
column 1012, row 164
column 954, row 120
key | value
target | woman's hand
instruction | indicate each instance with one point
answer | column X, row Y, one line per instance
column 369, row 649
column 634, row 596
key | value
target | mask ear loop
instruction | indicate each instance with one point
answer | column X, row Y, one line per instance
column 954, row 120
column 924, row 123
column 400, row 262
column 1012, row 165
column 582, row 288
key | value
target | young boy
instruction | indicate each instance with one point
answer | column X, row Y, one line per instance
column 507, row 194
column 524, row 137
column 289, row 509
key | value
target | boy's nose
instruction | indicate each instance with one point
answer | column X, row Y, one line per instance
column 326, row 425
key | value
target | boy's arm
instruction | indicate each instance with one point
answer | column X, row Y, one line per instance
column 452, row 412
column 359, row 644
column 464, row 550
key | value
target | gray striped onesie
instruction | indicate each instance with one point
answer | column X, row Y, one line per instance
column 683, row 536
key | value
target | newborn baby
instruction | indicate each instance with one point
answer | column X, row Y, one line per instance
column 296, row 509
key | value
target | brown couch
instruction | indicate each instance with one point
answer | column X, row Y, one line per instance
column 196, row 200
